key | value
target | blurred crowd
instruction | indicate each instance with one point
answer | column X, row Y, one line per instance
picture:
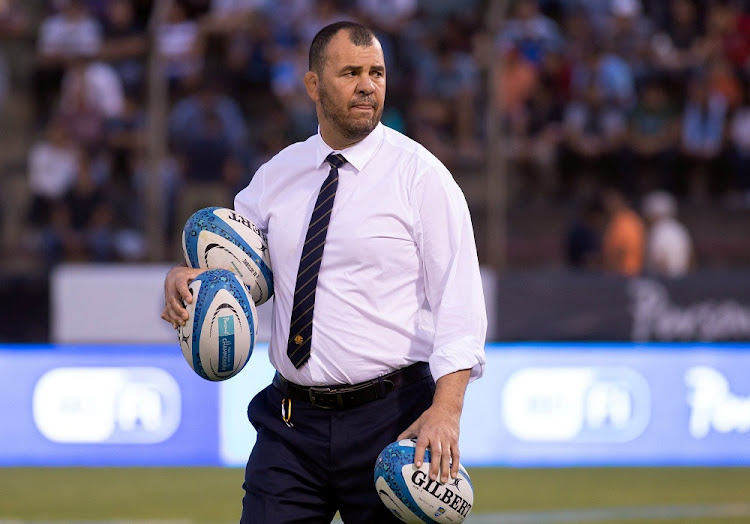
column 612, row 236
column 592, row 97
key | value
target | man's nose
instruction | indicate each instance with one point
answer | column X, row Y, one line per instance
column 365, row 84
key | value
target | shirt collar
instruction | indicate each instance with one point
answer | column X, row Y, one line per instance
column 357, row 155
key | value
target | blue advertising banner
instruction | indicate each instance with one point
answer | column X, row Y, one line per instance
column 537, row 405
column 609, row 404
column 105, row 405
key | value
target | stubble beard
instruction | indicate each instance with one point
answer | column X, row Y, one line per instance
column 349, row 128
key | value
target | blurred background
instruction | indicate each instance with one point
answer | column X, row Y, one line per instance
column 604, row 150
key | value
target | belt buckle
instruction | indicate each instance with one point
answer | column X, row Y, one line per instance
column 334, row 394
column 323, row 393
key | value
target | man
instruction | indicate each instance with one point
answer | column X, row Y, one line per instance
column 669, row 248
column 623, row 240
column 397, row 287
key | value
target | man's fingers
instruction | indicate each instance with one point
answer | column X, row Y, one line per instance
column 408, row 433
column 178, row 308
column 165, row 316
column 454, row 461
column 185, row 293
column 435, row 458
column 445, row 466
column 177, row 294
column 419, row 453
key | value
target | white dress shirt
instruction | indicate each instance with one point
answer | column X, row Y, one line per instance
column 669, row 248
column 399, row 281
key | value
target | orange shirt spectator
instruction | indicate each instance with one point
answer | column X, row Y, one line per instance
column 516, row 80
column 722, row 79
column 624, row 238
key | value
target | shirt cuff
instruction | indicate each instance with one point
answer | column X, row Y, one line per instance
column 466, row 353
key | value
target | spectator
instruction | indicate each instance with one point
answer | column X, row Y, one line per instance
column 679, row 48
column 450, row 78
column 179, row 42
column 578, row 33
column 125, row 134
column 14, row 24
column 320, row 14
column 610, row 73
column 532, row 33
column 285, row 17
column 623, row 240
column 209, row 167
column 14, row 20
column 249, row 55
column 593, row 134
column 533, row 139
column 739, row 149
column 208, row 157
column 387, row 15
column 228, row 16
column 81, row 225
column 69, row 34
column 91, row 94
column 289, row 92
column 669, row 246
column 722, row 79
column 97, row 83
column 125, row 44
column 516, row 80
column 703, row 122
column 63, row 37
column 583, row 242
column 124, row 141
column 627, row 34
column 53, row 163
column 653, row 135
column 730, row 26
column 187, row 118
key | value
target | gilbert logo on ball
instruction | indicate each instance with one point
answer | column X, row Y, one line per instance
column 412, row 495
column 219, row 335
column 217, row 237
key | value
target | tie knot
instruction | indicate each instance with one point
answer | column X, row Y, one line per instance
column 336, row 160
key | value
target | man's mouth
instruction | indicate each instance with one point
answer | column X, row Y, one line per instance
column 364, row 106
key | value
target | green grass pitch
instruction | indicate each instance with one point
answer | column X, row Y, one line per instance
column 213, row 495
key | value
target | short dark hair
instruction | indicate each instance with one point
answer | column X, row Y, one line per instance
column 359, row 35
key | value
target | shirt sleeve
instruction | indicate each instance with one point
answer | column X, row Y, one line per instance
column 250, row 201
column 453, row 283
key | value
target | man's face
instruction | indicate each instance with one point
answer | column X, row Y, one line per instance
column 351, row 88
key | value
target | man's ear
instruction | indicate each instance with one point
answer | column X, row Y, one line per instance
column 311, row 84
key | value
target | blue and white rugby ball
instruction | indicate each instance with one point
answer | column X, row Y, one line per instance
column 219, row 335
column 412, row 496
column 217, row 237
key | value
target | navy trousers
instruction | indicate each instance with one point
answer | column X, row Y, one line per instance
column 325, row 463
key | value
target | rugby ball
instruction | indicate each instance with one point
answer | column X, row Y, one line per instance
column 219, row 335
column 220, row 238
column 412, row 495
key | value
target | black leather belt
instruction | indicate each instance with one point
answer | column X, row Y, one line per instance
column 343, row 397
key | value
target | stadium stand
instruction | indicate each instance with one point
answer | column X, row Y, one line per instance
column 636, row 95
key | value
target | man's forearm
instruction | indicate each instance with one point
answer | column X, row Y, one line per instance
column 450, row 390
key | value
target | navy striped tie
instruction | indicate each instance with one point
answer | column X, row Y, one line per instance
column 300, row 327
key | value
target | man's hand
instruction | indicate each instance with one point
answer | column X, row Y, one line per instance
column 438, row 427
column 175, row 292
